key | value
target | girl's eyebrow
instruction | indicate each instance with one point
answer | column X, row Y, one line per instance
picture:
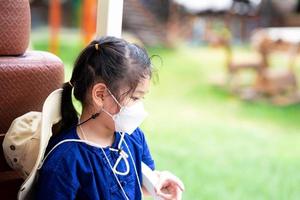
column 141, row 91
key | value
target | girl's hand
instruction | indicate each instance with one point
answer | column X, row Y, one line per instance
column 169, row 187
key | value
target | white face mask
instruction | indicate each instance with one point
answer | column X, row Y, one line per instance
column 126, row 121
column 129, row 117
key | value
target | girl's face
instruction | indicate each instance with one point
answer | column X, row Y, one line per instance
column 138, row 94
column 111, row 106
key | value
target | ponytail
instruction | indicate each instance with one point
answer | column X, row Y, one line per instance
column 68, row 112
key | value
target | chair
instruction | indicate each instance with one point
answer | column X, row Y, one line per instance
column 25, row 80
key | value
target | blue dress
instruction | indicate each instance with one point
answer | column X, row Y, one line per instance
column 80, row 171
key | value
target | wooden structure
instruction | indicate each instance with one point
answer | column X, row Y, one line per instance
column 157, row 22
column 281, row 87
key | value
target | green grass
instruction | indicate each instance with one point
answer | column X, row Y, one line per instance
column 221, row 147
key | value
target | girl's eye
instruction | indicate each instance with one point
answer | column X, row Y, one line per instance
column 134, row 98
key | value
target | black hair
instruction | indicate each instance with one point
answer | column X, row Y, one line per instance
column 109, row 60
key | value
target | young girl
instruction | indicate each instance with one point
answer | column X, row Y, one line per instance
column 110, row 79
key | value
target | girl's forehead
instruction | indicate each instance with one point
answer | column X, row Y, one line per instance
column 143, row 86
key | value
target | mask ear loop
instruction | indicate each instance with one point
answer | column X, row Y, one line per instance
column 114, row 98
column 108, row 113
column 94, row 116
column 135, row 170
column 113, row 171
column 124, row 156
column 114, row 174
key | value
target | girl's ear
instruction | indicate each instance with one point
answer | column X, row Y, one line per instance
column 98, row 94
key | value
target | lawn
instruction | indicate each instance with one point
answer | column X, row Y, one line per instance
column 220, row 146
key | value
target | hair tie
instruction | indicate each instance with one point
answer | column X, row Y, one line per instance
column 97, row 47
column 70, row 84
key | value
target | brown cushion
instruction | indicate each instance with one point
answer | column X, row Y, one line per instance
column 25, row 82
column 14, row 26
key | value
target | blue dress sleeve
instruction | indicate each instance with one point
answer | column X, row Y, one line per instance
column 146, row 156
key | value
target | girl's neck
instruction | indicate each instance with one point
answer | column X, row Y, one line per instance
column 95, row 131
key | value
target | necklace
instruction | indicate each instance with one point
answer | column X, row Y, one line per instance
column 83, row 134
column 85, row 138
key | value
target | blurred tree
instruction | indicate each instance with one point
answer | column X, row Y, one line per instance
column 54, row 21
column 298, row 6
column 76, row 12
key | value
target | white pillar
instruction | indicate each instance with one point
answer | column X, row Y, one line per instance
column 109, row 18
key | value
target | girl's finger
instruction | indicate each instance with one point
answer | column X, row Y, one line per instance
column 170, row 177
column 165, row 196
column 178, row 193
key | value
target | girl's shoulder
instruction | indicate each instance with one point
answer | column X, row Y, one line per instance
column 139, row 139
column 137, row 136
column 62, row 149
